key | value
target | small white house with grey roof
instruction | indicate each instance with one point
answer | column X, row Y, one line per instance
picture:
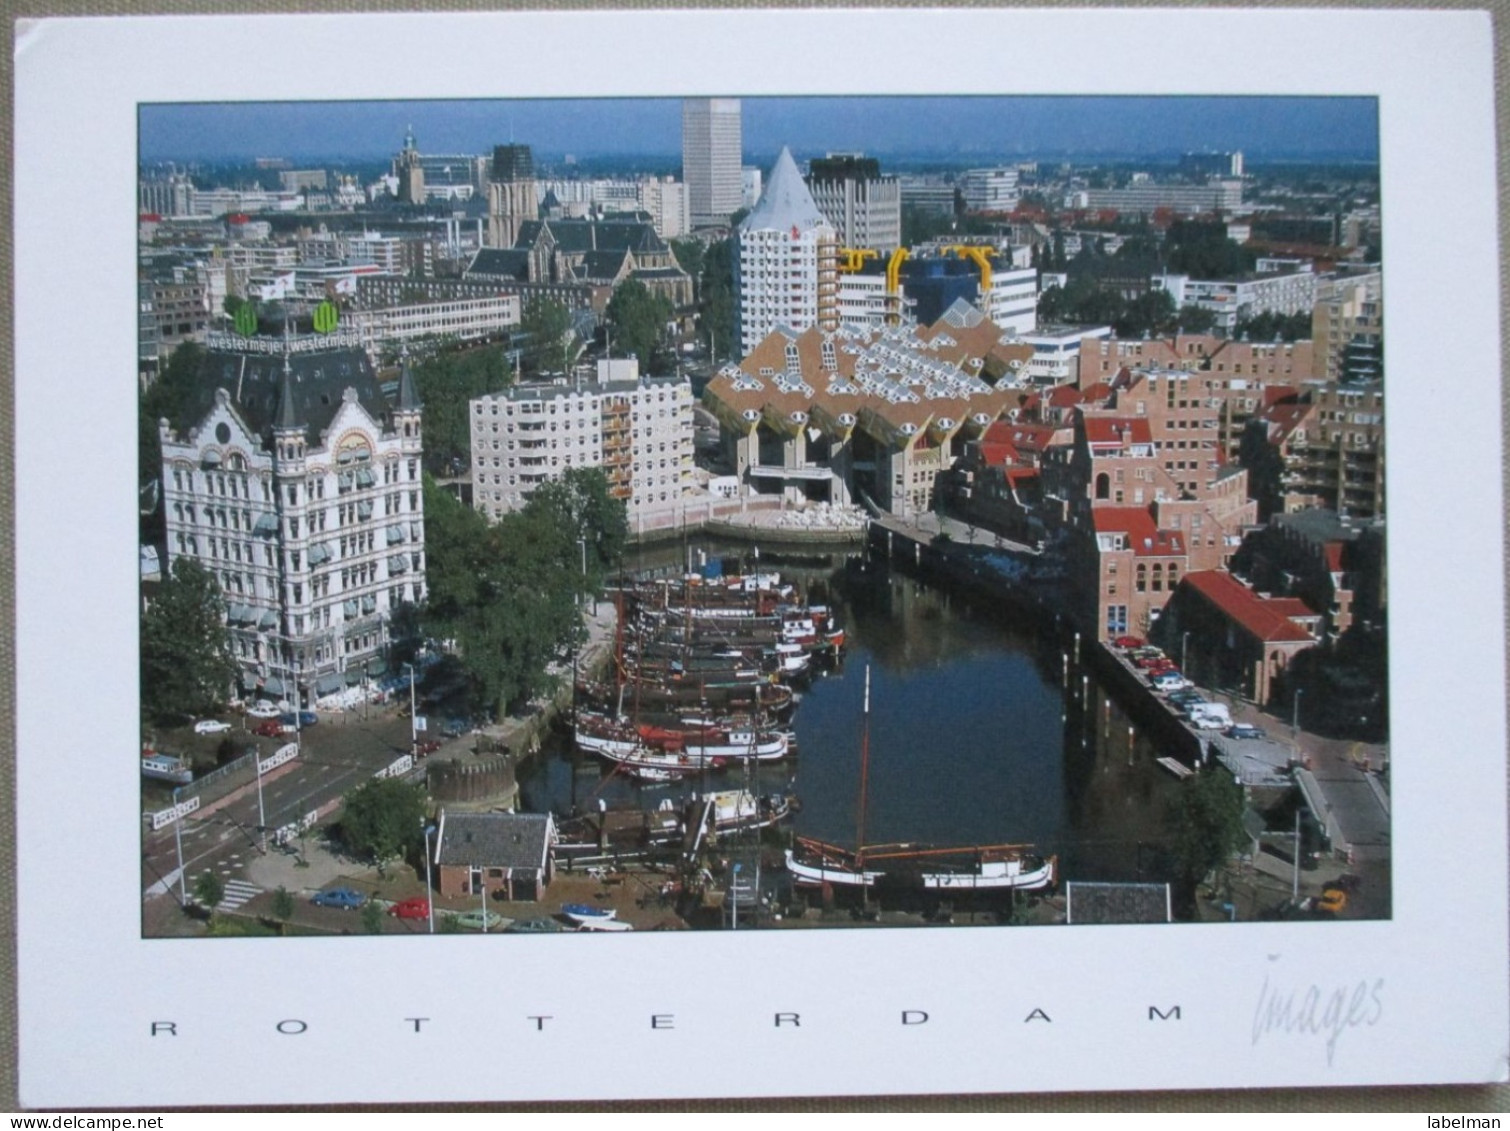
column 506, row 855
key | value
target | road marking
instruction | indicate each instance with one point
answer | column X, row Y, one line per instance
column 237, row 892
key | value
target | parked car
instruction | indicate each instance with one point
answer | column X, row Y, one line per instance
column 1186, row 698
column 1333, row 900
column 262, row 709
column 474, row 920
column 1148, row 659
column 270, row 728
column 1170, row 680
column 344, row 898
column 538, row 926
column 1244, row 730
column 1210, row 716
column 416, row 908
column 211, row 726
column 426, row 748
column 454, row 728
column 1128, row 643
column 303, row 719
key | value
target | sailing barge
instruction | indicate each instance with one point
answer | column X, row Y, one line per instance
column 996, row 867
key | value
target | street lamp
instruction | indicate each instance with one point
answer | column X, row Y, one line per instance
column 582, row 542
column 413, row 719
column 429, row 891
column 1295, row 712
column 1185, row 652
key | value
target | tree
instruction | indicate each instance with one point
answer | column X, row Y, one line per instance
column 283, row 906
column 1195, row 319
column 1208, row 824
column 186, row 664
column 382, row 818
column 208, row 890
column 550, row 343
column 446, row 384
column 1268, row 326
column 1203, row 251
column 170, row 397
column 372, row 918
column 639, row 321
column 579, row 502
column 716, row 300
column 1152, row 313
column 508, row 594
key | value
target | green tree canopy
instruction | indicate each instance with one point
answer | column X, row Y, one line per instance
column 167, row 398
column 1208, row 823
column 383, row 818
column 186, row 664
column 551, row 344
column 716, row 300
column 1267, row 327
column 447, row 383
column 209, row 890
column 508, row 593
column 639, row 320
column 1195, row 319
column 1203, row 251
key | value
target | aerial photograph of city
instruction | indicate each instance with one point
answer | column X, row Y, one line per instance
column 732, row 513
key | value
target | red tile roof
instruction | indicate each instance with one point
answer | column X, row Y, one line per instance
column 1144, row 538
column 1264, row 619
column 1117, row 430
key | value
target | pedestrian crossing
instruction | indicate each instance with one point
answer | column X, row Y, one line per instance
column 237, row 892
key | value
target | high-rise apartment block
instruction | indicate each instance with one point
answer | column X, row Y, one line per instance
column 711, row 145
column 989, row 190
column 637, row 429
column 787, row 270
column 861, row 205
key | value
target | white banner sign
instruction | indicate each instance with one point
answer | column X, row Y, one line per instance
column 397, row 766
column 287, row 832
column 285, row 754
column 165, row 817
column 419, row 722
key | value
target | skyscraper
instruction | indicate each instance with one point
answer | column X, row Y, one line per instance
column 711, row 143
column 864, row 207
column 787, row 273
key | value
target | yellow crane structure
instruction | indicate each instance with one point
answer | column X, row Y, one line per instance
column 894, row 285
column 982, row 260
column 851, row 259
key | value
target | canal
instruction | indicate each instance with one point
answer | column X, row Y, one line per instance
column 979, row 733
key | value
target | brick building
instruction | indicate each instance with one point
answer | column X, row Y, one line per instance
column 503, row 855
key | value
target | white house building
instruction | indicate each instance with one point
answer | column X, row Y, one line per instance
column 297, row 485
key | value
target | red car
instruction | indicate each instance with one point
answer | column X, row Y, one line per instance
column 1127, row 643
column 1148, row 660
column 268, row 728
column 425, row 749
column 416, row 908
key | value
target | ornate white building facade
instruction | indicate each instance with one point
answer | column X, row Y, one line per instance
column 298, row 487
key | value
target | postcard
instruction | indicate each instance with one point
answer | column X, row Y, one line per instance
column 758, row 530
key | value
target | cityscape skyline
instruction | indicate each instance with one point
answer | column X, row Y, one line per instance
column 965, row 127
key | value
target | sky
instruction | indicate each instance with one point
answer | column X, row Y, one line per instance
column 941, row 127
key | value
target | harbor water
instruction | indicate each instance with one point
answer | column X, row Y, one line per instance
column 983, row 730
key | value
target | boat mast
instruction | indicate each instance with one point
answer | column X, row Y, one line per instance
column 864, row 782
